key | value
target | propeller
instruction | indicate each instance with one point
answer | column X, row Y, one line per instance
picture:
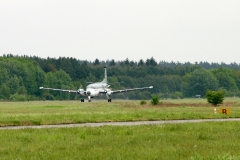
column 80, row 91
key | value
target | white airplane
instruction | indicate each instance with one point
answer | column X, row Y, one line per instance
column 97, row 89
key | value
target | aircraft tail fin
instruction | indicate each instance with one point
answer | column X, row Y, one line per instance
column 105, row 75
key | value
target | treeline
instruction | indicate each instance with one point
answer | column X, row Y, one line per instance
column 21, row 77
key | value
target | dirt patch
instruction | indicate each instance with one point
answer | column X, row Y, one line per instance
column 169, row 104
column 196, row 104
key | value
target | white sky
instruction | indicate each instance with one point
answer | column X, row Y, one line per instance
column 169, row 30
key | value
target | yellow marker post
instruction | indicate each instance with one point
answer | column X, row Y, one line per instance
column 224, row 111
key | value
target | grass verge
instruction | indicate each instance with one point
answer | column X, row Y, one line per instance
column 210, row 140
column 64, row 112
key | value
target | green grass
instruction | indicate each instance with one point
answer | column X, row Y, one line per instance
column 193, row 141
column 64, row 112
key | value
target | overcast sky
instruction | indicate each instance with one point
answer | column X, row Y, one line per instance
column 167, row 30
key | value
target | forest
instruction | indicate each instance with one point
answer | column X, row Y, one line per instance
column 21, row 77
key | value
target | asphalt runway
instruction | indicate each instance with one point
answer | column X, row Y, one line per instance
column 120, row 123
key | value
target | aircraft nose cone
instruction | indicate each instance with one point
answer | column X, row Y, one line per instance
column 88, row 92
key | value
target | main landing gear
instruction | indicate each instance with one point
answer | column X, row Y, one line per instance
column 82, row 100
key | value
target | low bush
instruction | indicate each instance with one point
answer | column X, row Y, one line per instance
column 155, row 100
column 143, row 102
column 18, row 97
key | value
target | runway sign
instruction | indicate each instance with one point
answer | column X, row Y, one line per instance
column 224, row 111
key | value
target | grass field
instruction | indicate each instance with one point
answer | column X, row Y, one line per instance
column 193, row 141
column 64, row 112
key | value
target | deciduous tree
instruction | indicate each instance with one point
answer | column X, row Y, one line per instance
column 198, row 82
column 215, row 97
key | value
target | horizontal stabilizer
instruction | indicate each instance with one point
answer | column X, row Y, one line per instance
column 90, row 82
column 116, row 82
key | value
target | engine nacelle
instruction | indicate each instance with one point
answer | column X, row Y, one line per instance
column 80, row 91
column 108, row 92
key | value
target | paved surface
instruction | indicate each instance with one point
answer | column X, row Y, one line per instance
column 120, row 123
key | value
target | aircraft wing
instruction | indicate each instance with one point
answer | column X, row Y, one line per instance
column 61, row 90
column 132, row 89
